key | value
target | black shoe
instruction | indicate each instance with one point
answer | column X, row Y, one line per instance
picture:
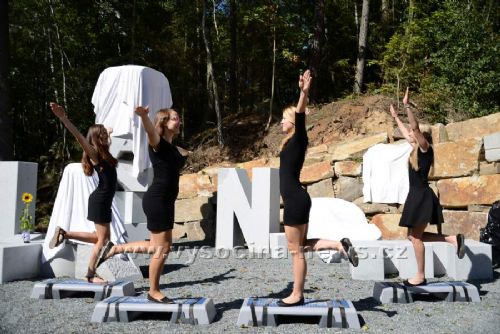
column 281, row 303
column 104, row 253
column 407, row 283
column 350, row 251
column 164, row 300
column 460, row 246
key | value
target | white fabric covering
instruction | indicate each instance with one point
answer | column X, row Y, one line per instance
column 334, row 219
column 118, row 91
column 70, row 209
column 385, row 173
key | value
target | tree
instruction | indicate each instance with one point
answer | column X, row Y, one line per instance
column 363, row 32
column 5, row 124
column 319, row 32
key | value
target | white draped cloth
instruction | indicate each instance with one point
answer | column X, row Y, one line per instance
column 117, row 92
column 70, row 209
column 334, row 219
column 385, row 173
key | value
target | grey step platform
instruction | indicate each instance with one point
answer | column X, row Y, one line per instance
column 392, row 292
column 61, row 288
column 333, row 313
column 194, row 311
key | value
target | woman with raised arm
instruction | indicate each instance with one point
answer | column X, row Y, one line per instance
column 96, row 157
column 297, row 202
column 158, row 202
column 422, row 205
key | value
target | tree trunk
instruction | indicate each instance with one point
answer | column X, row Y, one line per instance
column 271, row 102
column 233, row 84
column 210, row 72
column 386, row 15
column 363, row 32
column 319, row 32
column 5, row 122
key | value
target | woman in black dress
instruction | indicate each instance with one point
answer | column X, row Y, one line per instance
column 422, row 205
column 96, row 157
column 159, row 200
column 297, row 202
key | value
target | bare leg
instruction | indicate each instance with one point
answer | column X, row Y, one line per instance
column 452, row 239
column 323, row 244
column 161, row 241
column 102, row 233
column 143, row 247
column 295, row 236
column 90, row 237
column 415, row 236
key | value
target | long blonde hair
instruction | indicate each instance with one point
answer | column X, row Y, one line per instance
column 426, row 131
column 289, row 115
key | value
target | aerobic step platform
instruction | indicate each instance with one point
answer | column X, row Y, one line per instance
column 391, row 292
column 63, row 288
column 333, row 313
column 194, row 311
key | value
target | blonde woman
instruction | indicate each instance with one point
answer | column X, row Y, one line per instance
column 422, row 205
column 158, row 202
column 297, row 202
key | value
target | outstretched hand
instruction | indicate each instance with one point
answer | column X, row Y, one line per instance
column 57, row 110
column 141, row 111
column 406, row 98
column 393, row 112
column 305, row 81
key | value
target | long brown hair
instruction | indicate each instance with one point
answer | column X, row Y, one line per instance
column 96, row 138
column 426, row 131
column 289, row 115
column 160, row 117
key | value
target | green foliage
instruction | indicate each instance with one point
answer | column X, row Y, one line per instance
column 451, row 57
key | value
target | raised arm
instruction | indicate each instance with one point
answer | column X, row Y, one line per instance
column 419, row 136
column 59, row 112
column 402, row 128
column 304, row 85
column 153, row 136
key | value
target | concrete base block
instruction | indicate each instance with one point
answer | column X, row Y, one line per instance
column 58, row 289
column 119, row 267
column 332, row 313
column 371, row 262
column 278, row 245
column 137, row 231
column 389, row 292
column 492, row 155
column 19, row 261
column 194, row 311
column 63, row 265
column 406, row 262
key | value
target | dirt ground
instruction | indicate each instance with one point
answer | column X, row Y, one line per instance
column 246, row 138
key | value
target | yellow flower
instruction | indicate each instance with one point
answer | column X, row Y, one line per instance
column 27, row 197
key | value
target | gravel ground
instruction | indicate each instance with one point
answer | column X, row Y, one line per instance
column 230, row 280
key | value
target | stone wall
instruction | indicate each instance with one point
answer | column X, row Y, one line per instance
column 464, row 181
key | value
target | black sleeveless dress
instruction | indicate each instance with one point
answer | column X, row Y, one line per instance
column 99, row 210
column 296, row 200
column 422, row 205
column 158, row 202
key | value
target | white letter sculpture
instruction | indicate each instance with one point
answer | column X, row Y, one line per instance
column 255, row 205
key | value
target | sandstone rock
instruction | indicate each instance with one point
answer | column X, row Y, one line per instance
column 476, row 127
column 248, row 165
column 460, row 192
column 321, row 189
column 389, row 226
column 193, row 209
column 348, row 149
column 316, row 172
column 192, row 185
column 347, row 168
column 348, row 188
column 439, row 134
column 478, row 208
column 202, row 230
column 323, row 148
column 489, row 168
column 374, row 208
column 467, row 223
column 454, row 159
